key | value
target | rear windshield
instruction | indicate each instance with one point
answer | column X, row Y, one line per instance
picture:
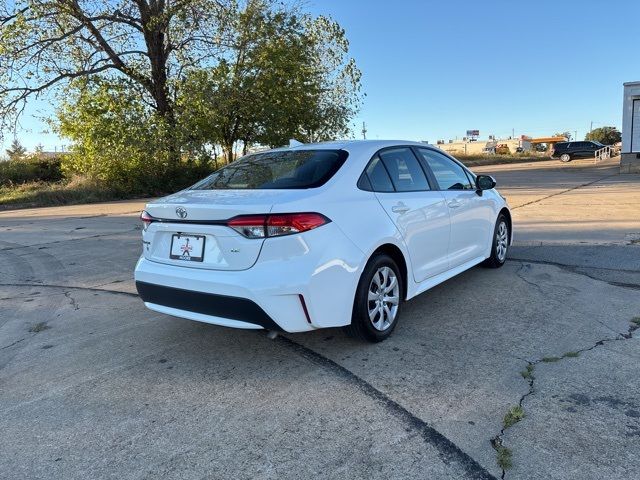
column 277, row 170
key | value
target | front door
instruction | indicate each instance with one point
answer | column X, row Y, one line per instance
column 472, row 215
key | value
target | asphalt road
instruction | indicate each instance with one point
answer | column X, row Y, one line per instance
column 93, row 385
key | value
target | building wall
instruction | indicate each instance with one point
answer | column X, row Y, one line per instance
column 477, row 147
column 630, row 154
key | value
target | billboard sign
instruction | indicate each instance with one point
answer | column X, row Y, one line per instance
column 473, row 133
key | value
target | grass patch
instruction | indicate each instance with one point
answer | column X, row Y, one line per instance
column 503, row 457
column 571, row 355
column 636, row 321
column 551, row 359
column 39, row 327
column 513, row 416
column 46, row 194
column 528, row 372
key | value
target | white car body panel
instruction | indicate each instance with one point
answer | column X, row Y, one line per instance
column 317, row 270
column 473, row 218
column 425, row 227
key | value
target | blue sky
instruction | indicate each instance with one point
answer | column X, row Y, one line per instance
column 432, row 70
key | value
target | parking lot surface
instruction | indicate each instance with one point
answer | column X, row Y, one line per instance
column 93, row 385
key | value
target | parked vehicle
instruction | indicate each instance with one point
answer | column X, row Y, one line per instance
column 319, row 235
column 567, row 151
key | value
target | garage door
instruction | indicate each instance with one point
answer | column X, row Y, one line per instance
column 635, row 127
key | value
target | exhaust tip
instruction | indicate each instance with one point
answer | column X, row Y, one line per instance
column 272, row 334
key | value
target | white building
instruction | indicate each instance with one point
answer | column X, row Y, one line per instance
column 630, row 153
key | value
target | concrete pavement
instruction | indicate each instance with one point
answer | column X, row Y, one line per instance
column 92, row 385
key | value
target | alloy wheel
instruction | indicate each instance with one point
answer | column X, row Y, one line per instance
column 502, row 241
column 383, row 298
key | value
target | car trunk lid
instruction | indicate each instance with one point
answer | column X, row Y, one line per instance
column 189, row 227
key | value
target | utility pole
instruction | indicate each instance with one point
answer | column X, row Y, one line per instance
column 575, row 135
column 364, row 131
column 591, row 127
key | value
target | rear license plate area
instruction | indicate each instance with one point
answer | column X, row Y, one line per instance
column 187, row 248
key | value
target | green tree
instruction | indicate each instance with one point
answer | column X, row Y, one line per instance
column 283, row 76
column 337, row 79
column 116, row 137
column 45, row 44
column 16, row 151
column 604, row 135
column 566, row 135
column 125, row 73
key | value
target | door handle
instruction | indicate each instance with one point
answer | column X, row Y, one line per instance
column 400, row 208
column 454, row 204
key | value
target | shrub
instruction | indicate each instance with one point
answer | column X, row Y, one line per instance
column 30, row 169
column 120, row 142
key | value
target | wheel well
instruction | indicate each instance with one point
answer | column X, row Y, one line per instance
column 395, row 253
column 507, row 215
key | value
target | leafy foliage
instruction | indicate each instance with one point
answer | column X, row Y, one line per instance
column 149, row 91
column 283, row 76
column 29, row 169
column 566, row 135
column 604, row 135
column 118, row 139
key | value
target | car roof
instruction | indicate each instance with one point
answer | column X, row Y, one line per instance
column 351, row 145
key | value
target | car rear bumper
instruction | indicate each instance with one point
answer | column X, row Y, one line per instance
column 299, row 283
column 232, row 311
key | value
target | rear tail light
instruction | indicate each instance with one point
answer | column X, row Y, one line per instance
column 263, row 226
column 146, row 219
column 251, row 226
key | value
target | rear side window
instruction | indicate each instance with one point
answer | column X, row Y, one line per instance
column 378, row 176
column 404, row 169
column 449, row 174
column 283, row 170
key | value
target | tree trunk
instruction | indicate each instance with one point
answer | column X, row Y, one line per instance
column 228, row 152
column 155, row 38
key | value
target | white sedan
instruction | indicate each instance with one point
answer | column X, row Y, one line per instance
column 319, row 235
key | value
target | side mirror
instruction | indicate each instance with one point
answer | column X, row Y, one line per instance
column 485, row 182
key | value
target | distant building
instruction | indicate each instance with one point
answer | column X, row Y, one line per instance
column 487, row 147
column 630, row 153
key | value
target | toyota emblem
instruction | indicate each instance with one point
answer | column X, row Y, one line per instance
column 181, row 212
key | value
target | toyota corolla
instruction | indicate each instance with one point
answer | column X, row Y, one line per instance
column 319, row 235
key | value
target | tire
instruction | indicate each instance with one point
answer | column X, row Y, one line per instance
column 378, row 327
column 565, row 158
column 499, row 243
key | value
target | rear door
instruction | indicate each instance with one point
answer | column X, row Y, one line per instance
column 472, row 215
column 583, row 149
column 418, row 211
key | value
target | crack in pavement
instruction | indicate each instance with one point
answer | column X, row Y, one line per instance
column 564, row 191
column 540, row 289
column 14, row 343
column 100, row 235
column 68, row 287
column 529, row 376
column 449, row 452
column 72, row 300
column 576, row 269
column 524, row 266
